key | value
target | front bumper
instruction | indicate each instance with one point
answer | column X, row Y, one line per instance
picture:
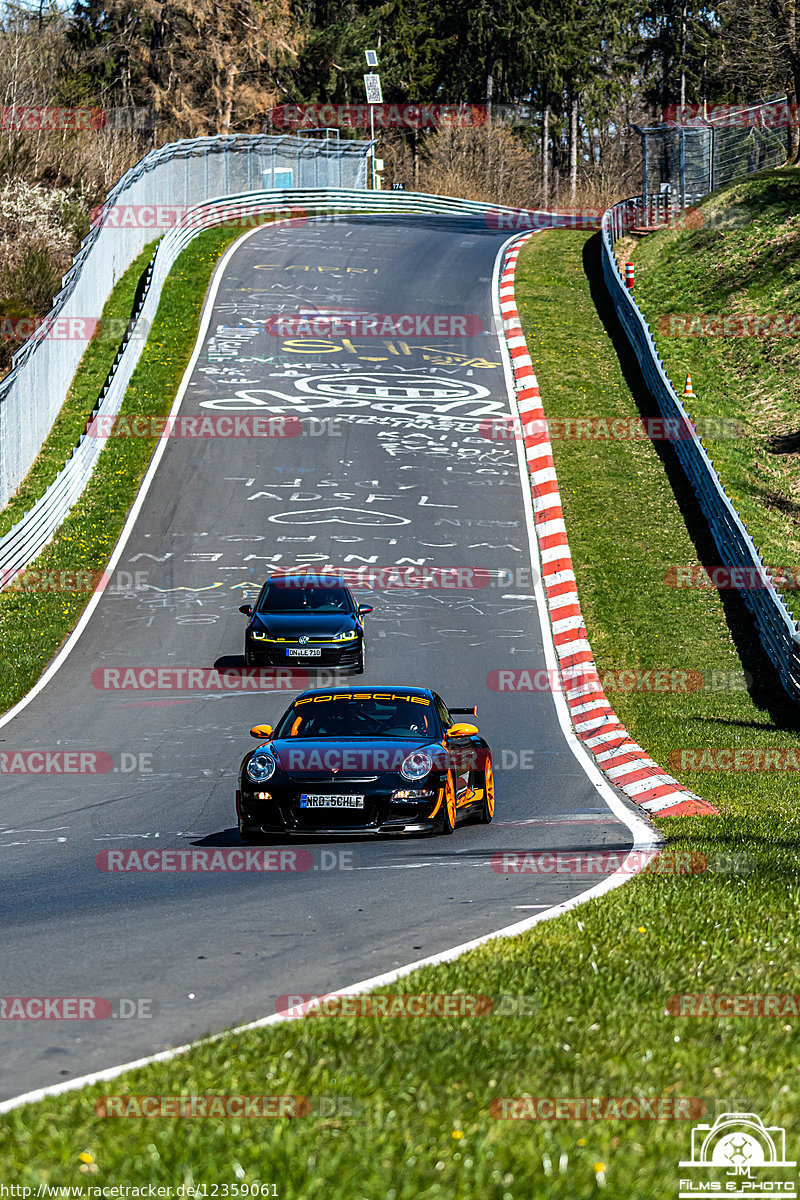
column 332, row 654
column 281, row 813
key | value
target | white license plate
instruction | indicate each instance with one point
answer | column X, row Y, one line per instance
column 305, row 652
column 331, row 801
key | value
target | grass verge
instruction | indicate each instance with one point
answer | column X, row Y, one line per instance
column 600, row 978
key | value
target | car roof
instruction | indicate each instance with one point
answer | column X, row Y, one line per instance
column 364, row 688
column 314, row 580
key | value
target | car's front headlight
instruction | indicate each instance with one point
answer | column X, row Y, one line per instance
column 261, row 637
column 347, row 636
column 416, row 765
column 261, row 767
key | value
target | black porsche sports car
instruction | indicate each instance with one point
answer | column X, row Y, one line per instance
column 310, row 620
column 373, row 760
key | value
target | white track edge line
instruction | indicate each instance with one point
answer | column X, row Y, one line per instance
column 645, row 837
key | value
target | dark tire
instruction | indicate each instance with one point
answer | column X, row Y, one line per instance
column 449, row 806
column 485, row 779
column 248, row 835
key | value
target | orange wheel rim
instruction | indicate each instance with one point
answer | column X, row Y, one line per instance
column 450, row 799
column 489, row 782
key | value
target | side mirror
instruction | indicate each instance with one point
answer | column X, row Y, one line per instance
column 463, row 729
column 247, row 609
column 261, row 731
column 363, row 609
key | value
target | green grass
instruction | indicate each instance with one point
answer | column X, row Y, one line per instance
column 601, row 976
column 742, row 259
column 85, row 540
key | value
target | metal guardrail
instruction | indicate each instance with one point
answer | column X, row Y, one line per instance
column 777, row 629
column 140, row 207
column 32, row 533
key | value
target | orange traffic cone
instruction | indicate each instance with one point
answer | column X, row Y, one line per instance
column 688, row 390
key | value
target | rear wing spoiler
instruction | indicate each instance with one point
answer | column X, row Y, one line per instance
column 466, row 712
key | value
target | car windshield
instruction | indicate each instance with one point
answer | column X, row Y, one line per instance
column 298, row 598
column 337, row 717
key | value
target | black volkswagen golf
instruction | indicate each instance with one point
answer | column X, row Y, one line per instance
column 373, row 760
column 308, row 619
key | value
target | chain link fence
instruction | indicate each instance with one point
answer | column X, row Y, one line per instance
column 147, row 201
column 694, row 152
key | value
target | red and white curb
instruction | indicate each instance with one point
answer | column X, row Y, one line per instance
column 595, row 722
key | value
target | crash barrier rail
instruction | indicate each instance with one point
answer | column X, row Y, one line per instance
column 777, row 629
column 164, row 182
column 37, row 527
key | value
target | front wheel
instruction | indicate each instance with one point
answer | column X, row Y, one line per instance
column 248, row 835
column 449, row 805
column 486, row 779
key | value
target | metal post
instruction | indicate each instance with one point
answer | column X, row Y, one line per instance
column 372, row 147
column 644, row 169
column 683, row 169
column 712, row 164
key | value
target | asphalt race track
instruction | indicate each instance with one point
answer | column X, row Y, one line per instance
column 390, row 468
